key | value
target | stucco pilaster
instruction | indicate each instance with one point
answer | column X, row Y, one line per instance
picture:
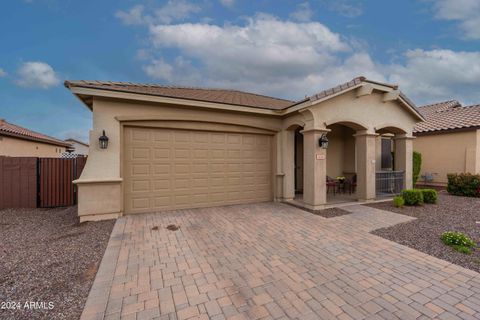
column 366, row 164
column 404, row 158
column 287, row 153
column 314, row 169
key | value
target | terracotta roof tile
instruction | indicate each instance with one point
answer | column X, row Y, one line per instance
column 10, row 129
column 448, row 115
column 225, row 96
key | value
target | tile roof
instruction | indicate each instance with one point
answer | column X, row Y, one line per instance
column 448, row 115
column 13, row 130
column 225, row 96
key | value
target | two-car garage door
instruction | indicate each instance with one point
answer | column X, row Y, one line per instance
column 168, row 169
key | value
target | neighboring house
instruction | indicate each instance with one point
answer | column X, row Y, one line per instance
column 449, row 141
column 16, row 141
column 77, row 147
column 175, row 147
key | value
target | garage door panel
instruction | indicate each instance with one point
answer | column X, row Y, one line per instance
column 173, row 169
column 162, row 202
column 161, row 153
column 161, row 184
column 140, row 203
column 140, row 169
column 140, row 186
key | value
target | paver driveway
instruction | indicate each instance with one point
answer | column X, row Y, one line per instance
column 273, row 261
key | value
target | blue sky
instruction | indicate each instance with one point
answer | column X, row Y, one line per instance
column 289, row 49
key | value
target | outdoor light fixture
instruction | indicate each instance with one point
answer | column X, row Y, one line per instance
column 323, row 141
column 103, row 141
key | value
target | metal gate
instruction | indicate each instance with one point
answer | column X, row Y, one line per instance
column 389, row 183
column 55, row 176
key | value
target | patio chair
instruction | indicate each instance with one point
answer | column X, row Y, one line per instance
column 331, row 185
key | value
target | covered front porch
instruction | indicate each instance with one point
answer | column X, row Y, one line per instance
column 346, row 162
column 351, row 143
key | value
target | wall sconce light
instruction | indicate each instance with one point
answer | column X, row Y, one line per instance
column 323, row 141
column 103, row 141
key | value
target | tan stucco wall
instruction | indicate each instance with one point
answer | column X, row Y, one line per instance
column 368, row 111
column 453, row 152
column 102, row 176
column 14, row 147
column 341, row 151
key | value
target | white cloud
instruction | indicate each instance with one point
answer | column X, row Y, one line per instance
column 293, row 59
column 159, row 69
column 134, row 16
column 466, row 12
column 265, row 55
column 227, row 3
column 37, row 74
column 303, row 13
column 176, row 10
column 439, row 74
column 3, row 73
column 265, row 45
column 173, row 10
column 345, row 8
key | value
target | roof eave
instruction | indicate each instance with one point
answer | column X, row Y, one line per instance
column 20, row 136
column 116, row 94
column 442, row 131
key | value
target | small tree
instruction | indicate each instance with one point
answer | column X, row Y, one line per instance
column 417, row 166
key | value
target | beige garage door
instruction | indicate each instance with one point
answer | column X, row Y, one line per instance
column 168, row 169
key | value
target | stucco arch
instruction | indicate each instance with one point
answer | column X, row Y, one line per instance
column 294, row 122
column 390, row 128
column 353, row 124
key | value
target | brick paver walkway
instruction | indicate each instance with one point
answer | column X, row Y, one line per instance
column 273, row 261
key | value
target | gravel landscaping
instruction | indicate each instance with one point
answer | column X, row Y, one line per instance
column 48, row 257
column 451, row 213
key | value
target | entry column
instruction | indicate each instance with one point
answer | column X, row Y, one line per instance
column 365, row 145
column 404, row 158
column 314, row 169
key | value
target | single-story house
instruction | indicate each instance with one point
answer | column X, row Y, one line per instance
column 178, row 147
column 449, row 141
column 16, row 141
column 77, row 147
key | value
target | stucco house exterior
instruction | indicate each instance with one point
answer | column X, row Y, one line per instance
column 176, row 147
column 449, row 141
column 77, row 147
column 16, row 141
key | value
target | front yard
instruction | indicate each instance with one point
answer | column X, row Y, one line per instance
column 451, row 213
column 48, row 259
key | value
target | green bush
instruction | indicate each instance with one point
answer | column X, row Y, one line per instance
column 398, row 202
column 417, row 166
column 464, row 184
column 412, row 197
column 458, row 241
column 430, row 195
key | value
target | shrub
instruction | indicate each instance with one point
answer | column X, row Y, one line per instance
column 412, row 197
column 458, row 241
column 417, row 166
column 430, row 195
column 398, row 202
column 464, row 184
